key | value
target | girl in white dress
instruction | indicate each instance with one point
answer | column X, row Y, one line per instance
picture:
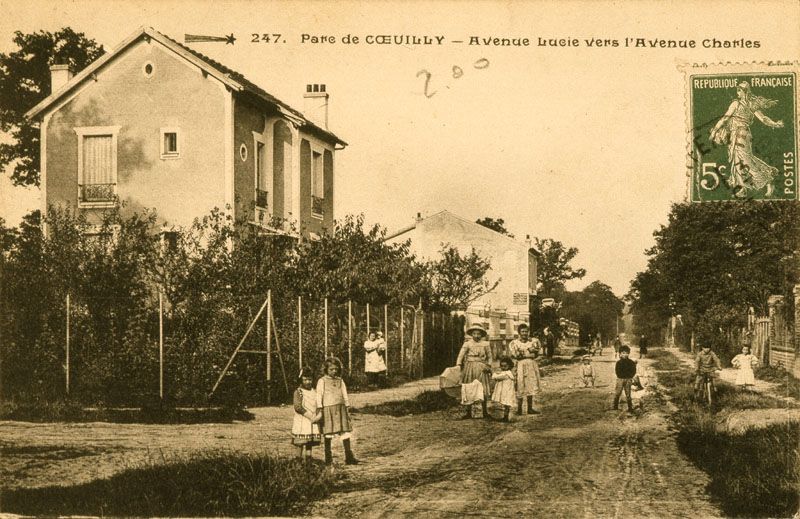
column 745, row 362
column 504, row 392
column 305, row 429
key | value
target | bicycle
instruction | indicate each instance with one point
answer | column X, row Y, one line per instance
column 706, row 394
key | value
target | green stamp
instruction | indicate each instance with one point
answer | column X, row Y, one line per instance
column 743, row 136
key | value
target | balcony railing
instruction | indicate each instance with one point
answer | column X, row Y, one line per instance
column 261, row 198
column 317, row 205
column 97, row 193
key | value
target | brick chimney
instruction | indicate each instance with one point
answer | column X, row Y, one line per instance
column 316, row 104
column 60, row 74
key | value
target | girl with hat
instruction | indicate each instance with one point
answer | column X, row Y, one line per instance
column 525, row 350
column 475, row 360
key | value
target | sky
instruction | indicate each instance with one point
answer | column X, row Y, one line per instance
column 579, row 143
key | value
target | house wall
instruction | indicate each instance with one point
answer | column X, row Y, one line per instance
column 176, row 95
column 308, row 221
column 510, row 259
column 246, row 120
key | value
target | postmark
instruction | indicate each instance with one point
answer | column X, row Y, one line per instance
column 742, row 131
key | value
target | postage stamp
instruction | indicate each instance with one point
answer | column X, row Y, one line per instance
column 743, row 131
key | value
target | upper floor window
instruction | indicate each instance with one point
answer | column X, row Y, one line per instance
column 317, row 184
column 97, row 165
column 262, row 184
column 170, row 143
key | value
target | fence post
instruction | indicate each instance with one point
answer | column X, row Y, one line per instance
column 402, row 340
column 386, row 334
column 349, row 336
column 422, row 343
column 67, row 348
column 368, row 319
column 269, row 346
column 160, row 345
column 325, row 326
column 300, row 332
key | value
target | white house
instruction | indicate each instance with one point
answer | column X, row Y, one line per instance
column 513, row 263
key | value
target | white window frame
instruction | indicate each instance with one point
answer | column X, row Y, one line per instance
column 321, row 153
column 168, row 155
column 88, row 131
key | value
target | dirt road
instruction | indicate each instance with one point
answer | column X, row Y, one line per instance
column 576, row 459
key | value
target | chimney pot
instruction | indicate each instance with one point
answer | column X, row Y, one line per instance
column 316, row 104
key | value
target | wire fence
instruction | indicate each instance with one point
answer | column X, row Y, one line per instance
column 113, row 350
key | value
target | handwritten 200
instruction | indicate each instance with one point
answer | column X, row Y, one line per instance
column 457, row 72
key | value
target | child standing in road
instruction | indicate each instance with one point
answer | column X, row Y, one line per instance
column 332, row 400
column 587, row 371
column 504, row 393
column 745, row 362
column 625, row 370
column 305, row 430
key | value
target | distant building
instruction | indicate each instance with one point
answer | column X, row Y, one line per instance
column 155, row 124
column 513, row 262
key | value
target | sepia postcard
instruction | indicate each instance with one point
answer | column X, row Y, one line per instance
column 399, row 258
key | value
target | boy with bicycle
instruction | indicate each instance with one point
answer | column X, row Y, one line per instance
column 707, row 363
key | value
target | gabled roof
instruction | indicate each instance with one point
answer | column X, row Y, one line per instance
column 232, row 79
column 457, row 217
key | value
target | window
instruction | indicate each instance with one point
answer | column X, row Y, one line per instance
column 317, row 184
column 97, row 166
column 262, row 193
column 170, row 143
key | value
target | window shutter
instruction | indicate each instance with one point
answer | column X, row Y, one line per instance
column 97, row 159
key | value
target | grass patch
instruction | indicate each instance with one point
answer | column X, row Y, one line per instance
column 754, row 473
column 204, row 485
column 72, row 412
column 786, row 383
column 426, row 402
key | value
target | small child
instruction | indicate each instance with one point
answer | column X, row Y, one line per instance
column 745, row 361
column 625, row 370
column 332, row 400
column 587, row 371
column 504, row 392
column 305, row 430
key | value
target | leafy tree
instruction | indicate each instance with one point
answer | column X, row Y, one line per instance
column 353, row 262
column 498, row 225
column 595, row 309
column 711, row 262
column 456, row 280
column 24, row 82
column 554, row 266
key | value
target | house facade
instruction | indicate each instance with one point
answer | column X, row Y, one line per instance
column 513, row 263
column 154, row 124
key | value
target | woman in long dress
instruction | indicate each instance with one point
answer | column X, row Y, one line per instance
column 524, row 351
column 475, row 360
column 747, row 172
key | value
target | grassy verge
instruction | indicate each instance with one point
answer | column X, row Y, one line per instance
column 203, row 485
column 753, row 473
column 786, row 383
column 425, row 402
column 72, row 412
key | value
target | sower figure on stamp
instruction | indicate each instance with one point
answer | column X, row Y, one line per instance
column 524, row 351
column 747, row 172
